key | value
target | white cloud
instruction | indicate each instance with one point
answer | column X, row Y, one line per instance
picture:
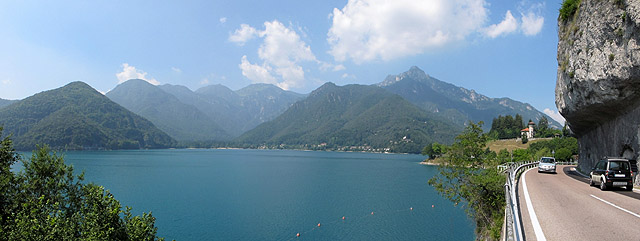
column 130, row 72
column 177, row 70
column 223, row 19
column 366, row 30
column 508, row 25
column 256, row 73
column 281, row 51
column 6, row 81
column 554, row 115
column 348, row 76
column 339, row 67
column 532, row 24
column 370, row 30
column 243, row 34
column 205, row 81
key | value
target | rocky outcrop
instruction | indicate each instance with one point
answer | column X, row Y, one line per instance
column 598, row 85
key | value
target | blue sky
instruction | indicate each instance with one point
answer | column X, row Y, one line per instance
column 498, row 48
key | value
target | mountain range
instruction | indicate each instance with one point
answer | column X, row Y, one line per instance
column 4, row 102
column 355, row 117
column 76, row 116
column 211, row 113
column 455, row 103
column 400, row 114
column 181, row 121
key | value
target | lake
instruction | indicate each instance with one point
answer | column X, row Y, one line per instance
column 275, row 194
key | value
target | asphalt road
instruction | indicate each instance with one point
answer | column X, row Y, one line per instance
column 567, row 208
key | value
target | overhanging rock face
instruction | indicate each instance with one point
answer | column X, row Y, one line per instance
column 598, row 85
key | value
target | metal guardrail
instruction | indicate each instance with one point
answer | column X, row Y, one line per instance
column 513, row 225
column 514, row 230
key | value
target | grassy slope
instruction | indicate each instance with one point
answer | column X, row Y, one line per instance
column 511, row 144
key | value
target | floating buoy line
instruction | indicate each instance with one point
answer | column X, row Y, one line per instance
column 343, row 219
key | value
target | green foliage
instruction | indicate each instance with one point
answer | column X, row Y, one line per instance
column 543, row 130
column 563, row 154
column 469, row 176
column 522, row 155
column 503, row 156
column 506, row 127
column 45, row 201
column 611, row 57
column 570, row 143
column 525, row 139
column 540, row 153
column 434, row 150
column 78, row 117
column 568, row 9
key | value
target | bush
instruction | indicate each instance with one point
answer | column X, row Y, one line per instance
column 568, row 9
column 563, row 155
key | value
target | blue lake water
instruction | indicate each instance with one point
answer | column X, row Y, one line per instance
column 274, row 194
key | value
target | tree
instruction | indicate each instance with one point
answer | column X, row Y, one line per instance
column 542, row 129
column 468, row 174
column 8, row 157
column 504, row 156
column 46, row 201
column 563, row 154
column 522, row 155
column 434, row 150
column 506, row 127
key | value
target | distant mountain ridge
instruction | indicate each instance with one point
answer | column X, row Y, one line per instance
column 455, row 103
column 358, row 117
column 181, row 121
column 76, row 116
column 213, row 112
column 4, row 102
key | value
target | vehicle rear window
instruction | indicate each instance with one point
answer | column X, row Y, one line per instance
column 618, row 166
column 548, row 160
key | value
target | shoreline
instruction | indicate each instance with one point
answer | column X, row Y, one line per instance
column 428, row 163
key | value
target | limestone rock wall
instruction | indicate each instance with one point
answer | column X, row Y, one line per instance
column 598, row 85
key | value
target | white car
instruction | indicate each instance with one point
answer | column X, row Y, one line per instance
column 547, row 164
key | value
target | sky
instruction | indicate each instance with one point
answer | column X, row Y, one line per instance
column 497, row 48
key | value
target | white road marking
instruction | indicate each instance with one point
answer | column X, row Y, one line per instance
column 532, row 214
column 616, row 206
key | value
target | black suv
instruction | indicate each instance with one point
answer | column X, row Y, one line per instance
column 612, row 172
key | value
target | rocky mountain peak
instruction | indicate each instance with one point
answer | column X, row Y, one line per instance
column 414, row 73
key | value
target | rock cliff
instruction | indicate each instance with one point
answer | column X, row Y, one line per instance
column 598, row 85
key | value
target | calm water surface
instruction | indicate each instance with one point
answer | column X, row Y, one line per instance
column 274, row 194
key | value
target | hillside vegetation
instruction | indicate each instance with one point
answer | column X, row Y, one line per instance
column 352, row 117
column 78, row 117
column 181, row 121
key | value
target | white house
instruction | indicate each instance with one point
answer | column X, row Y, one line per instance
column 528, row 131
